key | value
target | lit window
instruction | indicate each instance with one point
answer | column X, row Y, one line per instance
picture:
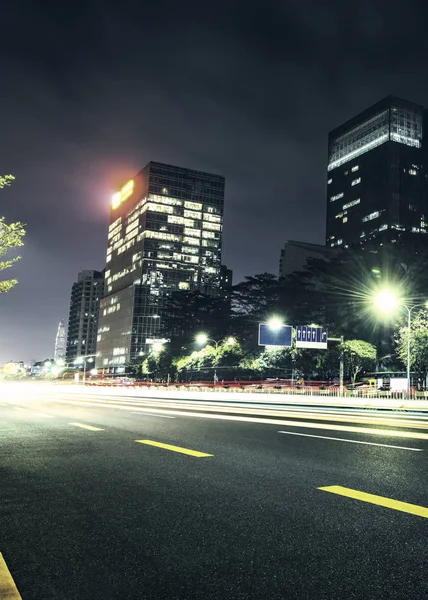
column 159, row 235
column 192, row 214
column 413, row 172
column 192, row 232
column 190, row 249
column 356, row 181
column 163, row 200
column 193, row 205
column 329, row 181
column 209, row 225
column 191, row 241
column 355, row 168
column 350, row 204
column 208, row 234
column 212, row 218
column 160, row 208
column 339, row 242
column 183, row 285
column 371, row 216
column 345, row 220
column 180, row 221
column 383, row 227
column 190, row 259
column 337, row 197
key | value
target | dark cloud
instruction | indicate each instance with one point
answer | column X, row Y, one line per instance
column 94, row 90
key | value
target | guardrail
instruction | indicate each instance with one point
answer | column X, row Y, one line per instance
column 312, row 389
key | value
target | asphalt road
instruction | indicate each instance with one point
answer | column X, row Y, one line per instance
column 89, row 514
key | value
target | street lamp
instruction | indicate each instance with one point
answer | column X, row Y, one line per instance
column 203, row 339
column 275, row 323
column 388, row 302
column 84, row 359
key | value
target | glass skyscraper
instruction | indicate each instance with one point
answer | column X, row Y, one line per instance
column 165, row 235
column 376, row 175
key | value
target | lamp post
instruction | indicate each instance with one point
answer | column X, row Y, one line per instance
column 203, row 339
column 87, row 358
column 388, row 302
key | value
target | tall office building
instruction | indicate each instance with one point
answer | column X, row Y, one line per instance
column 83, row 317
column 165, row 235
column 59, row 349
column 295, row 256
column 377, row 177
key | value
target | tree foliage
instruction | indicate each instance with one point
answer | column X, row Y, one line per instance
column 10, row 237
column 418, row 344
column 359, row 355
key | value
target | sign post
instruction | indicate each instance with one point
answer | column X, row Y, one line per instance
column 341, row 364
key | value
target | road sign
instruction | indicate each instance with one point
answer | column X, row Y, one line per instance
column 282, row 336
column 311, row 337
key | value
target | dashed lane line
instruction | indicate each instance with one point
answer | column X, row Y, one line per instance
column 195, row 453
column 8, row 589
column 413, row 509
column 140, row 412
column 89, row 427
column 325, row 437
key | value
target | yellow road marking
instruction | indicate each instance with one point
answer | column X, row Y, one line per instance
column 174, row 448
column 8, row 589
column 87, row 427
column 413, row 509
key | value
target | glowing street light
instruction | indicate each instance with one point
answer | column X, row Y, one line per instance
column 202, row 339
column 157, row 346
column 275, row 323
column 387, row 302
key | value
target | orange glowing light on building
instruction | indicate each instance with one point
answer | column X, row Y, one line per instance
column 124, row 193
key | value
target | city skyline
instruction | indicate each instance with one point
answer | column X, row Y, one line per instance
column 82, row 119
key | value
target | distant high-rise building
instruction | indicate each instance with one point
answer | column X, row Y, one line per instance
column 226, row 277
column 377, row 176
column 165, row 235
column 83, row 317
column 295, row 256
column 59, row 350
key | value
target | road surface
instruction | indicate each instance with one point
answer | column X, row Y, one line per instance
column 119, row 498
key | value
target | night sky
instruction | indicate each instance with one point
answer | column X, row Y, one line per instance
column 91, row 91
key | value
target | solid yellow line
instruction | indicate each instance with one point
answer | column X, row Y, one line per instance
column 174, row 448
column 8, row 589
column 87, row 427
column 413, row 509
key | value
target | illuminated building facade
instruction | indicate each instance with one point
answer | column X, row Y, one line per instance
column 165, row 235
column 83, row 317
column 59, row 349
column 377, row 176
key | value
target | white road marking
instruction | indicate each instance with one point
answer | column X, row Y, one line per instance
column 140, row 412
column 83, row 426
column 325, row 437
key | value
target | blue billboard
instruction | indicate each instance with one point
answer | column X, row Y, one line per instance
column 278, row 336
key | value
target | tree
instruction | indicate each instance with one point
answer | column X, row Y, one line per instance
column 10, row 237
column 418, row 344
column 359, row 355
column 254, row 300
column 186, row 314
